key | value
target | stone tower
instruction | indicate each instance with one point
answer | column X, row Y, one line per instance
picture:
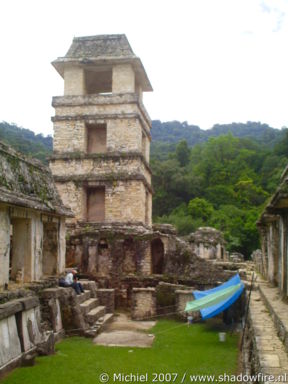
column 102, row 133
column 100, row 161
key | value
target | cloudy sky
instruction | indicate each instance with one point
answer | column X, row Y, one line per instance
column 209, row 61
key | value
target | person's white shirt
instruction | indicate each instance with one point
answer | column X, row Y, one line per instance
column 69, row 278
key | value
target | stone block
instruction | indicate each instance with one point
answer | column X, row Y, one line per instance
column 143, row 303
column 88, row 305
column 29, row 302
column 182, row 297
column 31, row 328
column 95, row 314
column 10, row 347
column 107, row 298
column 47, row 346
column 10, row 308
column 269, row 361
column 51, row 292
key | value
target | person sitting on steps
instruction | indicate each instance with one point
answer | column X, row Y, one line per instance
column 71, row 280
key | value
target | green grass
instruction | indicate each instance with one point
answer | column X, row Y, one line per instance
column 177, row 348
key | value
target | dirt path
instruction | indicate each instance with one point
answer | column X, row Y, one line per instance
column 125, row 332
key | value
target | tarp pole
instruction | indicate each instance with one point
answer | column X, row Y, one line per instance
column 246, row 312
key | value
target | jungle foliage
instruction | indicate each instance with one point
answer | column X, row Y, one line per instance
column 224, row 182
column 25, row 141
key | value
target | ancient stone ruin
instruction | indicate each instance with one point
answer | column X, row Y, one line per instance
column 100, row 161
column 100, row 167
column 208, row 243
column 32, row 220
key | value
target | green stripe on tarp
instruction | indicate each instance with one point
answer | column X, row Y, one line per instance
column 212, row 299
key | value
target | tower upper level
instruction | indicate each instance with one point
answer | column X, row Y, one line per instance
column 103, row 64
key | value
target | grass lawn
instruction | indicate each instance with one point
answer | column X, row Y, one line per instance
column 177, row 348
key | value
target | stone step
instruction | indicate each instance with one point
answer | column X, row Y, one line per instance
column 88, row 305
column 273, row 359
column 278, row 311
column 99, row 326
column 89, row 285
column 95, row 314
column 104, row 320
column 83, row 297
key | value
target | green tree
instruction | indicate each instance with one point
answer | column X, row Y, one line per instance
column 183, row 153
column 200, row 208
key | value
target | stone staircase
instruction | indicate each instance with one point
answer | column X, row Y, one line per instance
column 95, row 315
column 268, row 318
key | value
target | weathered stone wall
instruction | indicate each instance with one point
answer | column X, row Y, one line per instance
column 27, row 195
column 112, row 166
column 189, row 269
column 143, row 303
column 27, row 244
column 74, row 81
column 274, row 252
column 109, row 251
column 4, row 245
column 50, row 310
column 107, row 298
column 20, row 330
column 257, row 258
column 73, row 195
column 130, row 194
column 208, row 243
column 182, row 297
column 124, row 135
column 123, row 79
column 11, row 349
column 166, row 295
column 69, row 136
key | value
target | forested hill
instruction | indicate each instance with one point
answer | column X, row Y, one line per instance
column 172, row 132
column 25, row 141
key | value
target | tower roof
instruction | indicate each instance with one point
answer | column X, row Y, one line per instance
column 100, row 46
column 103, row 50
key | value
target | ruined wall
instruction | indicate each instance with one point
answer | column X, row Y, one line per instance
column 73, row 195
column 25, row 242
column 182, row 297
column 108, row 252
column 27, row 195
column 20, row 330
column 143, row 303
column 274, row 251
column 4, row 245
column 208, row 243
column 107, row 298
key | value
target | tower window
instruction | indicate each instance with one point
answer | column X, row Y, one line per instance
column 96, row 204
column 98, row 81
column 96, row 138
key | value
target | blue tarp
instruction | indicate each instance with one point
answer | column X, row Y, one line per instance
column 212, row 311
